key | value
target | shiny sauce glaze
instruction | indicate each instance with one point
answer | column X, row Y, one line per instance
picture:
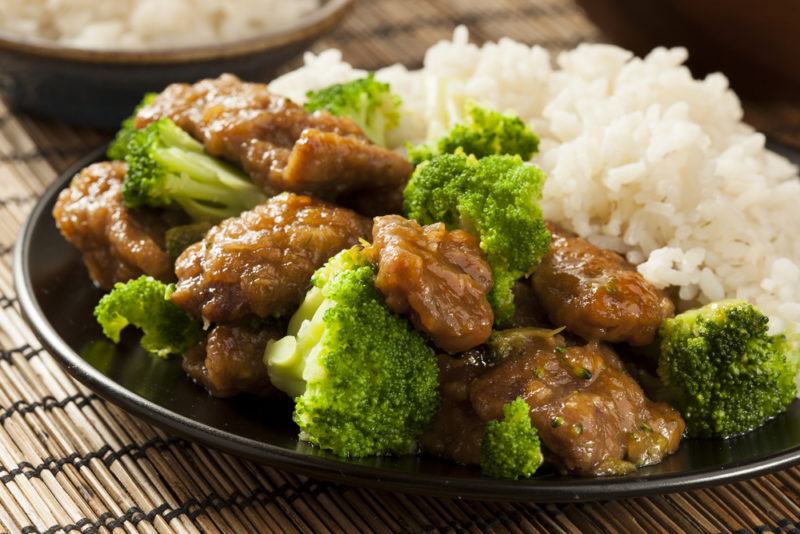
column 260, row 263
column 596, row 294
column 117, row 243
column 230, row 360
column 592, row 417
column 439, row 278
column 280, row 145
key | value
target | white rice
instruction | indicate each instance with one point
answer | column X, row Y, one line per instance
column 641, row 157
column 147, row 23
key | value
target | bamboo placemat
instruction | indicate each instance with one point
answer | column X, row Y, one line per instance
column 70, row 462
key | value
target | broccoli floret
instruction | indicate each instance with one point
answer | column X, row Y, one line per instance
column 370, row 103
column 166, row 166
column 511, row 448
column 144, row 303
column 364, row 381
column 495, row 198
column 118, row 148
column 724, row 372
column 485, row 133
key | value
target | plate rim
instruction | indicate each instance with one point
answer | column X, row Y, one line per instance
column 342, row 472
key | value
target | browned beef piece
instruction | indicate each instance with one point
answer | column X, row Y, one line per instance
column 261, row 262
column 591, row 415
column 328, row 164
column 374, row 202
column 598, row 295
column 276, row 141
column 439, row 278
column 527, row 310
column 117, row 243
column 231, row 361
column 456, row 430
column 588, row 411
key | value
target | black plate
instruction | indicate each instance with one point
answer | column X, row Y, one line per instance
column 57, row 299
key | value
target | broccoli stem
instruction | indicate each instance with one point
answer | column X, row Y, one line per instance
column 178, row 138
column 284, row 356
column 204, row 212
column 292, row 363
column 195, row 178
column 311, row 303
column 183, row 185
column 166, row 166
column 202, row 168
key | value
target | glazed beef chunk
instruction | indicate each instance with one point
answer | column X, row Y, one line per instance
column 276, row 141
column 117, row 244
column 596, row 294
column 456, row 431
column 527, row 310
column 439, row 278
column 589, row 412
column 591, row 415
column 328, row 164
column 261, row 262
column 374, row 202
column 230, row 361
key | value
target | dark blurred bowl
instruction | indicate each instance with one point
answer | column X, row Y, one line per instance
column 93, row 87
column 755, row 44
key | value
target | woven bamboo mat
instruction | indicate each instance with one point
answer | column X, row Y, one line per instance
column 70, row 462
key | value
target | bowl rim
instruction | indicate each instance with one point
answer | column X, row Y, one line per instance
column 315, row 23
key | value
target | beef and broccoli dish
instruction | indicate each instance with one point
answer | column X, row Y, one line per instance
column 410, row 300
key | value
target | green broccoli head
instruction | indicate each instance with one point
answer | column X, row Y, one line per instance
column 144, row 303
column 511, row 448
column 166, row 167
column 364, row 382
column 725, row 373
column 485, row 133
column 370, row 104
column 118, row 148
column 495, row 198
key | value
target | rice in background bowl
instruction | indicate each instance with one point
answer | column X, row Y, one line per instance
column 148, row 24
column 642, row 158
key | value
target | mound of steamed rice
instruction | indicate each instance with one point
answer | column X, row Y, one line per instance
column 147, row 23
column 641, row 158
